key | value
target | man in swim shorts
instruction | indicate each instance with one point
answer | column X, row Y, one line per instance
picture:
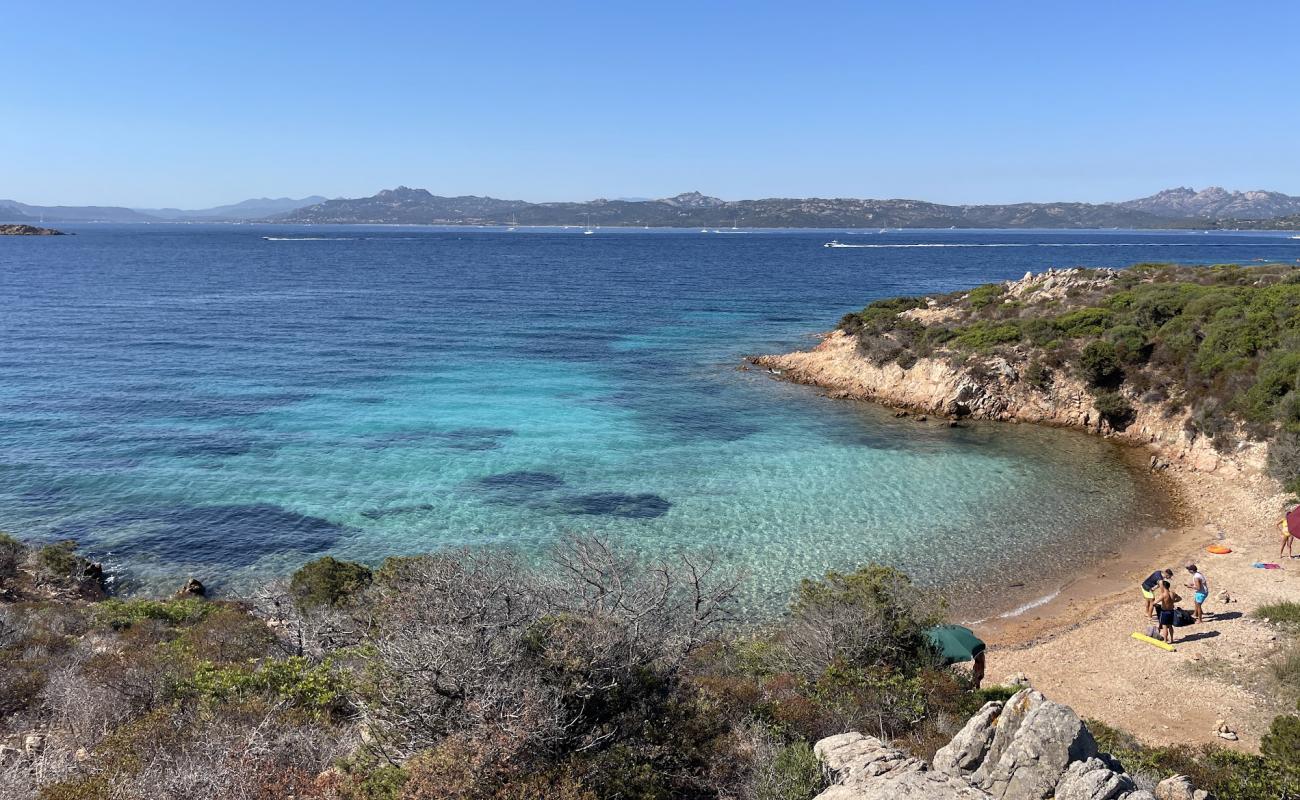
column 1200, row 588
column 1166, row 610
column 1150, row 585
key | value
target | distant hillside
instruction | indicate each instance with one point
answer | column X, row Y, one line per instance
column 692, row 209
column 1289, row 223
column 13, row 211
column 1216, row 203
column 244, row 210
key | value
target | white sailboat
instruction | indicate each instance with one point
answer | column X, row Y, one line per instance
column 588, row 231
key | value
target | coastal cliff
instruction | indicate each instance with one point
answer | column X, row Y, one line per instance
column 986, row 364
column 994, row 389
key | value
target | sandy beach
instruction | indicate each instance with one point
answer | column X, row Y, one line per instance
column 1078, row 647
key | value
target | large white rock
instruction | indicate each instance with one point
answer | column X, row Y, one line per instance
column 967, row 750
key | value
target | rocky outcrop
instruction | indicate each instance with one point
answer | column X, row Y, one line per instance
column 970, row 746
column 1026, row 749
column 865, row 768
column 28, row 230
column 994, row 389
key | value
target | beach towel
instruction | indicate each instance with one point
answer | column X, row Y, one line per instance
column 1262, row 565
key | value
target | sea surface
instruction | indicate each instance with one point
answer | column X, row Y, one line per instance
column 230, row 401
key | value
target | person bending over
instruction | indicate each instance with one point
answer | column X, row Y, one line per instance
column 1150, row 585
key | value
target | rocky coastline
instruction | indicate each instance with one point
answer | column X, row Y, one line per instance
column 994, row 388
column 28, row 230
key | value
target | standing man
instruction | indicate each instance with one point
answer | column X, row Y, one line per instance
column 1150, row 585
column 1200, row 589
column 1166, row 610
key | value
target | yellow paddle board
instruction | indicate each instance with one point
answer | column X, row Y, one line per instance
column 1163, row 645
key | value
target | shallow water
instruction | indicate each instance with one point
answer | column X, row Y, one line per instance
column 200, row 399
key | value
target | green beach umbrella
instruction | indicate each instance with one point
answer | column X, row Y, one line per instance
column 955, row 643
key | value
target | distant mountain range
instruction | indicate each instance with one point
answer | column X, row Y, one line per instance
column 1173, row 208
column 1216, row 203
column 260, row 208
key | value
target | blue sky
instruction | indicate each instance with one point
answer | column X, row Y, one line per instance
column 196, row 104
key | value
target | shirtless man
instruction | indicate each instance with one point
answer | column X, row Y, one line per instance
column 1200, row 589
column 1287, row 536
column 1165, row 600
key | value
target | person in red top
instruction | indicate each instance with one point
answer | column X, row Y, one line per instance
column 1290, row 526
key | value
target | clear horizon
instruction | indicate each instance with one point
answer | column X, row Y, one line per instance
column 163, row 106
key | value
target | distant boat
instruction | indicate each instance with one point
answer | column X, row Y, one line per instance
column 838, row 243
column 704, row 230
column 1295, row 237
column 514, row 222
column 588, row 231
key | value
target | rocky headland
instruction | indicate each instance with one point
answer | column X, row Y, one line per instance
column 28, row 230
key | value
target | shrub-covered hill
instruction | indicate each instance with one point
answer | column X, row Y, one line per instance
column 1219, row 344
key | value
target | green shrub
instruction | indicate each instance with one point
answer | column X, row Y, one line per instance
column 12, row 553
column 1084, row 322
column 119, row 614
column 1284, row 460
column 1225, row 774
column 985, row 295
column 1114, row 409
column 1038, row 376
column 1099, row 364
column 984, row 335
column 873, row 615
column 1130, row 343
column 58, row 561
column 1284, row 612
column 1281, row 748
column 794, row 774
column 327, row 582
column 295, row 680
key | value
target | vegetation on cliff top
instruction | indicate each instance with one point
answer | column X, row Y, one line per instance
column 1222, row 342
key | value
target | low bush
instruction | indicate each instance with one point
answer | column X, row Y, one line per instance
column 58, row 561
column 1283, row 612
column 793, row 774
column 1225, row 774
column 327, row 582
column 1038, row 376
column 1099, row 365
column 12, row 553
column 1114, row 409
column 983, row 336
column 117, row 613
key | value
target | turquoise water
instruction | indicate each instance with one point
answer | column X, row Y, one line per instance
column 198, row 399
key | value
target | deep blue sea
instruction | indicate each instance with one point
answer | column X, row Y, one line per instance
column 201, row 399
